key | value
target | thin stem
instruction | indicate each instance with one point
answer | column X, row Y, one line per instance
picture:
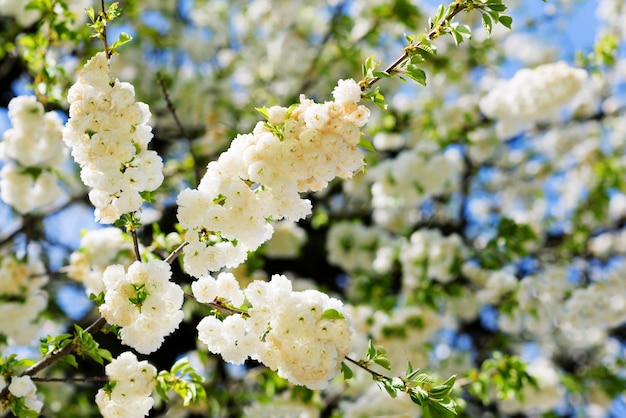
column 217, row 304
column 170, row 258
column 52, row 358
column 71, row 379
column 104, row 30
column 171, row 107
column 181, row 128
column 432, row 35
column 376, row 375
column 133, row 233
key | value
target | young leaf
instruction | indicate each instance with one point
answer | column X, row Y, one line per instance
column 332, row 314
column 346, row 371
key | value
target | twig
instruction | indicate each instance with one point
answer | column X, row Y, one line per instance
column 71, row 379
column 376, row 375
column 170, row 258
column 219, row 305
column 171, row 107
column 133, row 233
column 181, row 128
column 52, row 358
column 104, row 31
column 433, row 34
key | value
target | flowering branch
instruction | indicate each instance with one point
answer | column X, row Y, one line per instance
column 56, row 355
column 407, row 63
column 170, row 258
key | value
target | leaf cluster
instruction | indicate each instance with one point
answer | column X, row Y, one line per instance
column 503, row 375
column 183, row 380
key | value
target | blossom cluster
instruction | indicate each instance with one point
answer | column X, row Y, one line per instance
column 260, row 177
column 33, row 152
column 402, row 184
column 354, row 246
column 23, row 387
column 303, row 335
column 589, row 313
column 143, row 302
column 532, row 95
column 540, row 297
column 131, row 383
column 428, row 254
column 108, row 134
column 23, row 298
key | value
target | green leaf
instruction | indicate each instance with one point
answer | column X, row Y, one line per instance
column 263, row 111
column 496, row 6
column 366, row 144
column 346, row 371
column 383, row 362
column 70, row 360
column 124, row 38
column 424, row 378
column 440, row 410
column 487, row 23
column 506, row 20
column 416, row 74
column 371, row 351
column 332, row 314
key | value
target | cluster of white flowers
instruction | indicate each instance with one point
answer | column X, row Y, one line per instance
column 608, row 243
column 108, row 134
column 23, row 387
column 22, row 297
column 430, row 255
column 540, row 297
column 32, row 150
column 492, row 285
column 143, row 302
column 260, row 177
column 303, row 335
column 532, row 95
column 99, row 249
column 400, row 185
column 132, row 384
column 586, row 317
column 354, row 246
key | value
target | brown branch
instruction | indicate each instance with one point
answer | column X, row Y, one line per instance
column 71, row 379
column 432, row 35
column 170, row 258
column 133, row 233
column 376, row 375
column 181, row 128
column 52, row 358
column 104, row 30
column 217, row 304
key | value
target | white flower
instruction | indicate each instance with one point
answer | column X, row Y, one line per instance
column 108, row 133
column 532, row 95
column 134, row 382
column 260, row 178
column 23, row 387
column 143, row 302
column 347, row 91
column 285, row 330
